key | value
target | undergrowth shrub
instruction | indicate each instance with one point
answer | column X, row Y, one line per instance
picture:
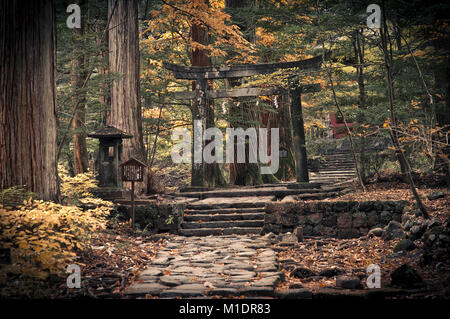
column 44, row 237
column 14, row 196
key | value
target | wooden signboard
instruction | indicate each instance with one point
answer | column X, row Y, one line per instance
column 132, row 171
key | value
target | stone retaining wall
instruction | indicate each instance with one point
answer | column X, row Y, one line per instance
column 156, row 217
column 342, row 219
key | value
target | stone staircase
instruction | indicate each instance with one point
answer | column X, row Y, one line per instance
column 224, row 216
column 240, row 210
column 338, row 167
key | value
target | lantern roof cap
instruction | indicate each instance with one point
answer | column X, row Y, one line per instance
column 109, row 132
column 133, row 160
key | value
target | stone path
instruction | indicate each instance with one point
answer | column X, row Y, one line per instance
column 225, row 266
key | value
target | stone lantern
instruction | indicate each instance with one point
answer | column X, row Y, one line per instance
column 109, row 158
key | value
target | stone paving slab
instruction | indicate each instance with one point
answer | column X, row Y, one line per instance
column 190, row 267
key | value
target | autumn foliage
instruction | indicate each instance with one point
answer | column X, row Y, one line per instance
column 45, row 237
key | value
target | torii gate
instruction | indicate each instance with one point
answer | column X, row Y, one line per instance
column 201, row 95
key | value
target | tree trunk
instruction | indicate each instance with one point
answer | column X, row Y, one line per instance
column 358, row 46
column 298, row 136
column 77, row 78
column 442, row 96
column 388, row 64
column 243, row 114
column 123, row 39
column 27, row 97
column 211, row 173
column 282, row 120
column 442, row 85
column 287, row 165
column 102, row 42
column 198, row 116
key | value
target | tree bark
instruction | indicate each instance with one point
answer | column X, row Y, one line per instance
column 27, row 97
column 198, row 108
column 298, row 136
column 211, row 173
column 78, row 74
column 102, row 42
column 358, row 46
column 123, row 39
column 243, row 114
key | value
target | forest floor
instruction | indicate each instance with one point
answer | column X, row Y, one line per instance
column 116, row 255
column 108, row 266
column 352, row 256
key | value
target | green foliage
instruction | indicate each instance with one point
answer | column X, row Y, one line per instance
column 15, row 196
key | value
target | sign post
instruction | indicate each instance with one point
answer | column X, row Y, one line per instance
column 283, row 153
column 132, row 171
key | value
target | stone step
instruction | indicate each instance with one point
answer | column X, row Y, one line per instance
column 231, row 202
column 207, row 189
column 331, row 180
column 339, row 159
column 325, row 175
column 224, row 205
column 223, row 217
column 303, row 185
column 318, row 196
column 333, row 176
column 244, row 210
column 338, row 168
column 223, row 224
column 334, row 172
column 221, row 211
column 277, row 192
column 339, row 155
column 220, row 231
column 330, row 172
column 334, row 179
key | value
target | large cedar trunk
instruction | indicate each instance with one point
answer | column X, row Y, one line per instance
column 102, row 41
column 211, row 173
column 282, row 120
column 298, row 136
column 27, row 97
column 77, row 79
column 199, row 33
column 241, row 113
column 125, row 112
